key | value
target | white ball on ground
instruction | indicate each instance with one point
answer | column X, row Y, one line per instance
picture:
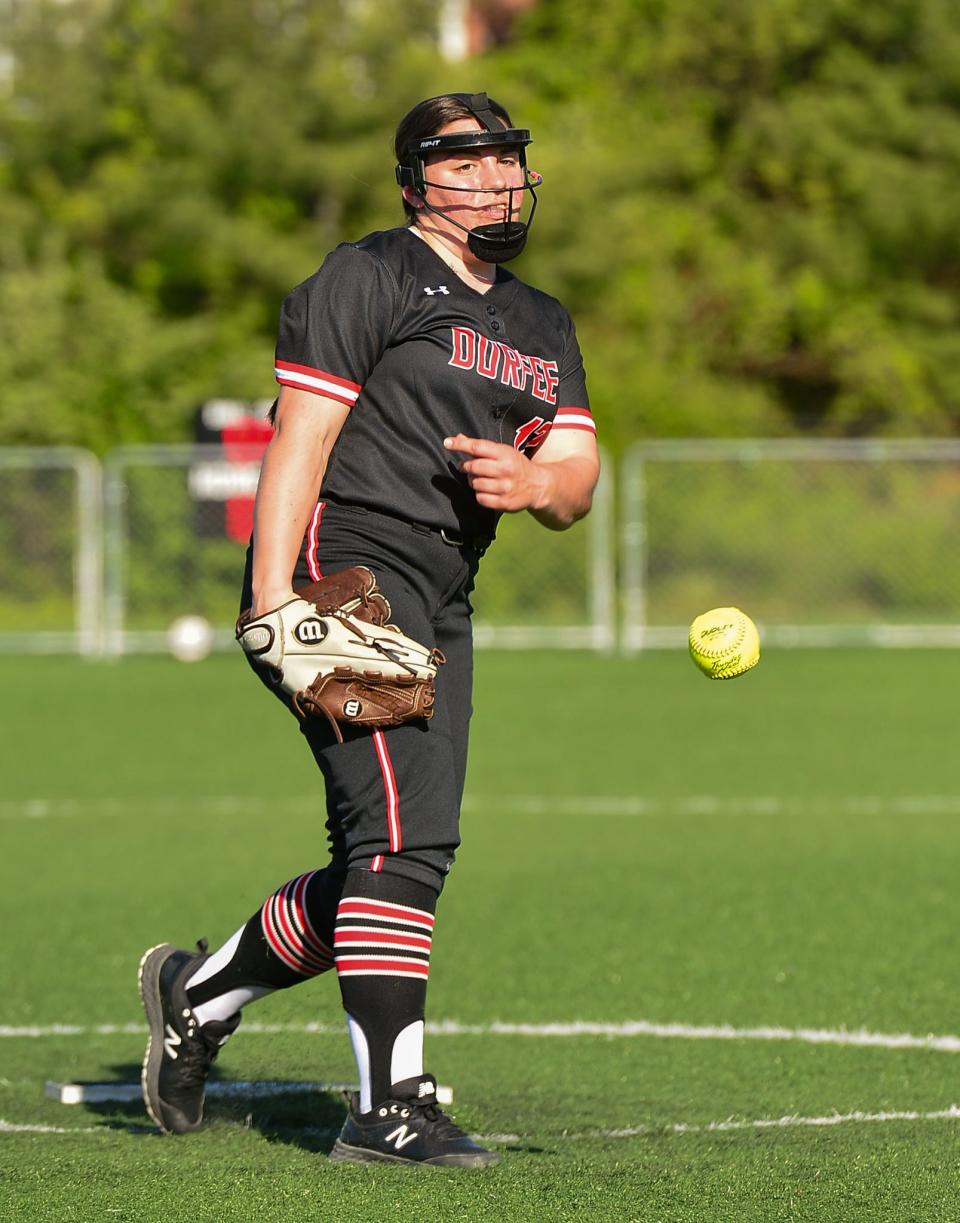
column 190, row 638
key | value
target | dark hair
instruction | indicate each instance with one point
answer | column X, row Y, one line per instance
column 427, row 118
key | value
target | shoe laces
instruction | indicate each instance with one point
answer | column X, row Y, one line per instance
column 431, row 1111
column 196, row 1056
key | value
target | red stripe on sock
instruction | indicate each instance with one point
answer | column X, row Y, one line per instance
column 273, row 938
column 387, row 968
column 357, row 906
column 310, row 936
column 308, row 961
column 358, row 937
column 277, row 920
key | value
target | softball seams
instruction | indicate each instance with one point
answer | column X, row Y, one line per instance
column 723, row 645
column 736, row 666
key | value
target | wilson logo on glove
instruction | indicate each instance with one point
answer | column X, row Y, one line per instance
column 310, row 631
column 335, row 655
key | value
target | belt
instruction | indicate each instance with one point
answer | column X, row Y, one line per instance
column 477, row 543
column 453, row 539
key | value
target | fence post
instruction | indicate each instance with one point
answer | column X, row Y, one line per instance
column 89, row 558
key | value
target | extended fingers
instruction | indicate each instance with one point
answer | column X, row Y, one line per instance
column 486, row 467
column 491, row 484
column 471, row 445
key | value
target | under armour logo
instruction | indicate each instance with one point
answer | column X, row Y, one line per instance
column 438, row 289
column 172, row 1040
column 403, row 1134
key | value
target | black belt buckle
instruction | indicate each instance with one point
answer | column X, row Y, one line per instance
column 474, row 542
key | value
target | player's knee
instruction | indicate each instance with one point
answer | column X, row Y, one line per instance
column 429, row 867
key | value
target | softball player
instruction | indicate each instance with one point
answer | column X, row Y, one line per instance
column 424, row 391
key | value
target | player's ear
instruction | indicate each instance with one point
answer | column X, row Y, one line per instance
column 413, row 199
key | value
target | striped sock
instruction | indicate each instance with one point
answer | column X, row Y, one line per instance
column 286, row 925
column 382, row 940
column 281, row 945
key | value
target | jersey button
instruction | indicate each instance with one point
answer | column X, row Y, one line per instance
column 495, row 325
column 491, row 309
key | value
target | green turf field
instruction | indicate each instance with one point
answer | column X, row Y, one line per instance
column 708, row 874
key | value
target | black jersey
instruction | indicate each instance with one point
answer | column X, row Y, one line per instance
column 387, row 328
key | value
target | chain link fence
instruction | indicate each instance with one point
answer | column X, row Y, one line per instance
column 177, row 520
column 823, row 543
column 50, row 550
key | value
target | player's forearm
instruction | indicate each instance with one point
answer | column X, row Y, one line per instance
column 566, row 491
column 290, row 477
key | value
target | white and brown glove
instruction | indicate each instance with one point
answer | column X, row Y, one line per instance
column 334, row 653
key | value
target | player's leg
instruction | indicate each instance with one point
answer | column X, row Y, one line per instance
column 389, row 901
column 395, row 792
column 193, row 1000
column 402, row 820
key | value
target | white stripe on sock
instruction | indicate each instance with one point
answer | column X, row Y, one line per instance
column 361, row 1052
column 406, row 1059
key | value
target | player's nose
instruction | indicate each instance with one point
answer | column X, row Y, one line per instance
column 494, row 176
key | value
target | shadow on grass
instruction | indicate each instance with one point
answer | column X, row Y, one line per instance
column 288, row 1112
column 293, row 1113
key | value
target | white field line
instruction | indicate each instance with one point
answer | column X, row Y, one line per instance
column 14, row 1127
column 858, row 1038
column 951, row 1113
column 597, row 805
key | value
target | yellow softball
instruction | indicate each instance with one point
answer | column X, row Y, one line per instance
column 724, row 643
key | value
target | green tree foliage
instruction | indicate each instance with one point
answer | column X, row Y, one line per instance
column 750, row 206
column 757, row 208
column 170, row 169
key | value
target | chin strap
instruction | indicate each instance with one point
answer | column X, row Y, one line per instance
column 498, row 241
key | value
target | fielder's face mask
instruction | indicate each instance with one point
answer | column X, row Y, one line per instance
column 500, row 240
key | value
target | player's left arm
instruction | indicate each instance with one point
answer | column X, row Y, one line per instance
column 556, row 485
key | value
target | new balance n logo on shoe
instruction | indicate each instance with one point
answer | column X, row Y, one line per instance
column 179, row 1053
column 401, row 1136
column 172, row 1041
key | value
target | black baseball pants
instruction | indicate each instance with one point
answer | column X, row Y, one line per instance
column 393, row 795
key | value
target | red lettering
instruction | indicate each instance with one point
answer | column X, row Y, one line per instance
column 491, row 358
column 550, row 370
column 464, row 348
column 511, row 367
column 488, row 357
column 539, row 388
